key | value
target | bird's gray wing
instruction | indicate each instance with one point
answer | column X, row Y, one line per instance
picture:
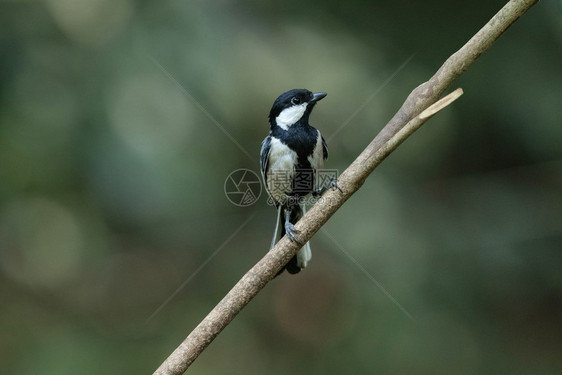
column 324, row 148
column 264, row 158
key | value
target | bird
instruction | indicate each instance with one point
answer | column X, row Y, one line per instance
column 291, row 156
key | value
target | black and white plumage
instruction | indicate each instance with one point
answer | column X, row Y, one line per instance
column 290, row 157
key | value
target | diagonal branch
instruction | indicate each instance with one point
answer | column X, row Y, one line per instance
column 414, row 112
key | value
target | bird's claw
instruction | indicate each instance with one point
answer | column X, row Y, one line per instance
column 333, row 184
column 291, row 232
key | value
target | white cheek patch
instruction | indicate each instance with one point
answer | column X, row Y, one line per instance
column 289, row 116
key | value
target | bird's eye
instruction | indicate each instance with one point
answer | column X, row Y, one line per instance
column 296, row 101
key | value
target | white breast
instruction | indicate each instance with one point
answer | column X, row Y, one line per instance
column 316, row 160
column 281, row 170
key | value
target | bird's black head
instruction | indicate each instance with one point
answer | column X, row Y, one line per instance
column 293, row 106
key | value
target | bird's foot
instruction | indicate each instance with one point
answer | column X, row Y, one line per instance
column 333, row 184
column 291, row 232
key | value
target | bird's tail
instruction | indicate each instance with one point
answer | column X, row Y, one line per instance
column 303, row 256
column 278, row 228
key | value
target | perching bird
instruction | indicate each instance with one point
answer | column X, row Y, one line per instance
column 290, row 157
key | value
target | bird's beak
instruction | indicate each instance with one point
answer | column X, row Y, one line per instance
column 317, row 96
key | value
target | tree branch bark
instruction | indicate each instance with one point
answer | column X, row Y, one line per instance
column 411, row 115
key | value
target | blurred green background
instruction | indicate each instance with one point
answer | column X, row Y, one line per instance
column 120, row 121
